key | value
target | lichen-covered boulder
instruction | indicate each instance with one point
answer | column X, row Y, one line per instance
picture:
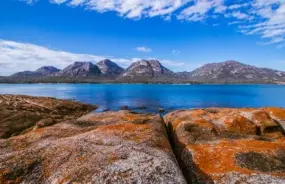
column 229, row 145
column 19, row 113
column 108, row 147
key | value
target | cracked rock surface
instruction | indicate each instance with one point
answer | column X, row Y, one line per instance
column 109, row 147
column 229, row 145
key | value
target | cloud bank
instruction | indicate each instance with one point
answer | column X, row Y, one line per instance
column 265, row 18
column 16, row 56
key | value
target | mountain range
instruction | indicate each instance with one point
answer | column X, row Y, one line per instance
column 149, row 70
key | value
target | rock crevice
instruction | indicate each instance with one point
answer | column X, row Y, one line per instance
column 223, row 145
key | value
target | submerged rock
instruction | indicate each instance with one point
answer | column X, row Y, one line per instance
column 108, row 147
column 19, row 113
column 229, row 145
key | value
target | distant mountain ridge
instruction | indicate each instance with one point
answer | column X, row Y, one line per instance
column 41, row 72
column 79, row 69
column 233, row 70
column 145, row 70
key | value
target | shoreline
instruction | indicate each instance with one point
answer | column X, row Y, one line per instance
column 201, row 145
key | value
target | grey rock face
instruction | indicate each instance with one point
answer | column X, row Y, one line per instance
column 147, row 68
column 108, row 67
column 80, row 69
column 233, row 70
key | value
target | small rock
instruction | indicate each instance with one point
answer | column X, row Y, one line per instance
column 142, row 107
column 106, row 110
column 125, row 107
column 161, row 110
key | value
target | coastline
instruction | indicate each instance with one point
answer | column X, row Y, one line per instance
column 100, row 80
column 183, row 146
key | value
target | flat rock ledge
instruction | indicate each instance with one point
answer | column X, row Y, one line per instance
column 19, row 113
column 229, row 146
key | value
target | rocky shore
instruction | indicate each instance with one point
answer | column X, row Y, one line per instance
column 45, row 140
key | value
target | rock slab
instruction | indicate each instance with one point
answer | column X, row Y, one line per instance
column 229, row 145
column 19, row 113
column 108, row 147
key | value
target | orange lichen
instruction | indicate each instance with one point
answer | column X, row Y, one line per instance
column 262, row 117
column 240, row 124
column 133, row 117
column 219, row 158
column 277, row 112
column 204, row 123
column 64, row 180
column 134, row 132
column 175, row 123
column 215, row 153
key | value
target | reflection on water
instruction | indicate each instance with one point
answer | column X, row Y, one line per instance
column 169, row 97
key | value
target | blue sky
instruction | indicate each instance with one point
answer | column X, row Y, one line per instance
column 183, row 34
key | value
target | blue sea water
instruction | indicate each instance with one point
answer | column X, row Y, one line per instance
column 154, row 96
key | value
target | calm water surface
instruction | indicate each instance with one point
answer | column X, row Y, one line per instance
column 169, row 97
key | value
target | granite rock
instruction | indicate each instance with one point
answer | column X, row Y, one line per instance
column 108, row 147
column 19, row 113
column 229, row 145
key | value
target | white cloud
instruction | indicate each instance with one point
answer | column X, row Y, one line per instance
column 237, row 6
column 234, row 22
column 199, row 10
column 172, row 63
column 240, row 15
column 265, row 18
column 271, row 20
column 17, row 56
column 58, row 1
column 175, row 52
column 135, row 9
column 29, row 1
column 143, row 49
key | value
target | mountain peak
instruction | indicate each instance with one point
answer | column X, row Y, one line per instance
column 26, row 74
column 105, row 61
column 146, row 68
column 47, row 70
column 234, row 71
column 81, row 63
column 108, row 67
column 80, row 69
column 232, row 62
column 41, row 72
